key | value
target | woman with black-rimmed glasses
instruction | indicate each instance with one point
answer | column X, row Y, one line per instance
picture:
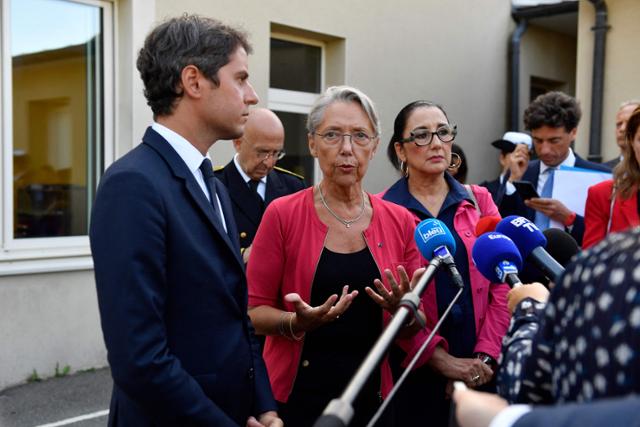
column 468, row 343
column 319, row 249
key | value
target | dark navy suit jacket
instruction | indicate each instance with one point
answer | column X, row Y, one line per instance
column 247, row 209
column 619, row 412
column 172, row 296
column 513, row 204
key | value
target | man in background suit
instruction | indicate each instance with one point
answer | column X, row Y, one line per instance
column 514, row 153
column 252, row 178
column 170, row 280
column 552, row 119
column 622, row 117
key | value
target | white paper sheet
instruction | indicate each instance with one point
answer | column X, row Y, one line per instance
column 570, row 186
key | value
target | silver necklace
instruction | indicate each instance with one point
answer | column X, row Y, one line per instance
column 347, row 222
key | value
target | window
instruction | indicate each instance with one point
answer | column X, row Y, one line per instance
column 56, row 121
column 296, row 75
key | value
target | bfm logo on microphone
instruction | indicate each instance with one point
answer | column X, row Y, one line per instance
column 432, row 229
column 524, row 222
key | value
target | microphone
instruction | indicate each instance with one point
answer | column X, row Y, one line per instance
column 498, row 259
column 561, row 245
column 486, row 224
column 434, row 240
column 531, row 243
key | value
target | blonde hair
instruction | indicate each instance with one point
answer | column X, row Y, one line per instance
column 627, row 174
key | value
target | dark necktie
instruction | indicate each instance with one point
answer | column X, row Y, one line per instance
column 253, row 185
column 207, row 173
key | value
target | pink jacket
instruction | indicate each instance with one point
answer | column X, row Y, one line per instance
column 489, row 299
column 285, row 253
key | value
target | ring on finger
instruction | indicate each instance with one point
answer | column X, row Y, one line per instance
column 475, row 378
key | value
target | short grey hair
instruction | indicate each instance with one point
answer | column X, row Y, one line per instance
column 342, row 94
column 629, row 102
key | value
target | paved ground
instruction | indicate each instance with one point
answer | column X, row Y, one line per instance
column 55, row 402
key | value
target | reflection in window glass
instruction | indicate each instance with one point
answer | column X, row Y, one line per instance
column 295, row 66
column 298, row 158
column 56, row 49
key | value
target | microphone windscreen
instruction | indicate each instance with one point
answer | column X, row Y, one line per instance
column 430, row 234
column 486, row 224
column 524, row 233
column 491, row 250
column 561, row 245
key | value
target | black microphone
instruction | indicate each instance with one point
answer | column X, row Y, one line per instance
column 531, row 243
column 561, row 245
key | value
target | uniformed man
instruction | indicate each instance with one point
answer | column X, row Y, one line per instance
column 252, row 178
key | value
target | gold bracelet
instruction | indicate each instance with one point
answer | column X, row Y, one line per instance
column 293, row 335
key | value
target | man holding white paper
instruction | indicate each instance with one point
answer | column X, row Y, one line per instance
column 552, row 119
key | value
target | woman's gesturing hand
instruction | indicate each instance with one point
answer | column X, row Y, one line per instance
column 308, row 318
column 389, row 299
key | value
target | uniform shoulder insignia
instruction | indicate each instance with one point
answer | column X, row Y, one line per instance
column 218, row 168
column 288, row 172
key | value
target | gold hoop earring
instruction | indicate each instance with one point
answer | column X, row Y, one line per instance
column 457, row 162
column 404, row 169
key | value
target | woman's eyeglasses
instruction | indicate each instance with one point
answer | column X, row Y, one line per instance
column 422, row 137
column 333, row 137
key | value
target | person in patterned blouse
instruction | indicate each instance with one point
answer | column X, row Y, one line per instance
column 587, row 345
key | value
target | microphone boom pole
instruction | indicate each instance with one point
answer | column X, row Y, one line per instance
column 414, row 360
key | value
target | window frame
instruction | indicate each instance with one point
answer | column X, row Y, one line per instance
column 41, row 254
column 291, row 101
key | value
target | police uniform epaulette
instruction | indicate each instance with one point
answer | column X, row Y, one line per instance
column 288, row 172
column 218, row 168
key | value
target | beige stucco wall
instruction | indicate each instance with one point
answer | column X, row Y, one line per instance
column 396, row 52
column 47, row 319
column 622, row 65
column 549, row 55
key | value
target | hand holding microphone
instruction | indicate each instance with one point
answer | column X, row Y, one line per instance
column 537, row 291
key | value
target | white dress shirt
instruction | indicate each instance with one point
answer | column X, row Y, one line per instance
column 191, row 157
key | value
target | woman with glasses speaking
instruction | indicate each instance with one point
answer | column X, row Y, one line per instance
column 468, row 343
column 321, row 248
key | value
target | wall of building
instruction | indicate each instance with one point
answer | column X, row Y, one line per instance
column 547, row 55
column 47, row 319
column 622, row 63
column 396, row 52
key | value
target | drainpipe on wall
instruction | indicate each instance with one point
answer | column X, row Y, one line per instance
column 597, row 83
column 516, row 38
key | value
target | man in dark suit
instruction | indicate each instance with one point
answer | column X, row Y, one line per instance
column 552, row 119
column 514, row 153
column 170, row 280
column 252, row 178
column 622, row 117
